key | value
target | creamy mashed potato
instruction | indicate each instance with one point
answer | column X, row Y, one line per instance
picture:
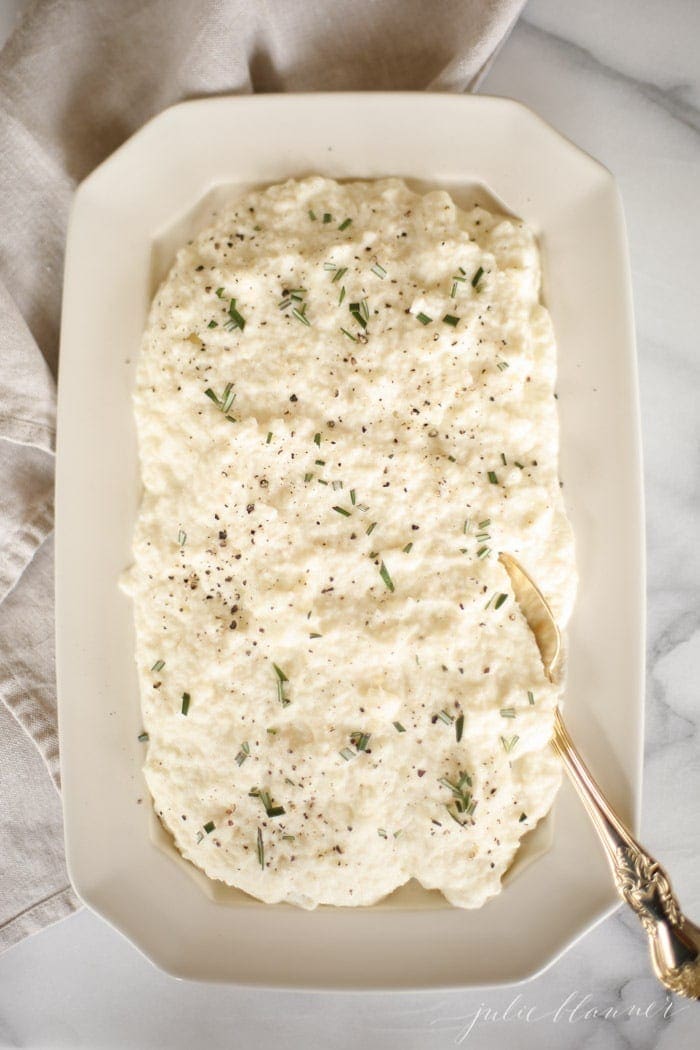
column 345, row 409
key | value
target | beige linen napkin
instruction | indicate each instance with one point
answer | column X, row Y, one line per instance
column 76, row 79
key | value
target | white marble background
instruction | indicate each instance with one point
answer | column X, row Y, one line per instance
column 622, row 79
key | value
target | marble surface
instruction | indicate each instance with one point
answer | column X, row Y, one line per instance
column 621, row 80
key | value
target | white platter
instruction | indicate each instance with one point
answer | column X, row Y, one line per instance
column 127, row 218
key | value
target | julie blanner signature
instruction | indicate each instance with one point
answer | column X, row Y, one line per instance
column 576, row 1008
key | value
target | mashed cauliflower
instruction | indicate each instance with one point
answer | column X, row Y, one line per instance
column 345, row 410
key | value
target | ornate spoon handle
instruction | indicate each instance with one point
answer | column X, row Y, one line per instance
column 641, row 881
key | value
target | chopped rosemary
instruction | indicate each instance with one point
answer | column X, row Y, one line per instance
column 423, row 318
column 339, row 274
column 507, row 712
column 337, row 484
column 459, row 727
column 343, row 511
column 445, row 717
column 522, row 817
column 493, row 478
column 346, row 753
column 504, row 461
column 370, row 528
column 142, row 737
column 236, row 319
column 344, row 225
column 282, row 680
column 453, row 293
column 219, row 293
column 502, row 365
column 451, row 320
column 261, row 850
column 353, row 496
column 181, row 538
column 358, row 314
column 407, row 548
column 185, row 703
column 270, row 809
column 382, row 833
column 398, row 727
column 483, row 552
column 209, row 827
column 308, row 476
column 462, row 798
column 317, row 440
column 530, row 697
column 485, row 523
column 158, row 665
column 329, row 266
column 519, row 465
column 301, row 316
column 509, row 744
column 360, row 740
column 312, row 215
column 342, row 295
column 315, row 635
column 500, row 600
column 384, row 573
column 327, row 217
column 213, row 324
column 269, row 437
column 243, row 753
column 225, row 402
column 379, row 271
column 348, row 334
column 477, row 276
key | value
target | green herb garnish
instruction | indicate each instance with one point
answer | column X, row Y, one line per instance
column 282, row 680
column 213, row 324
column 327, row 217
column 379, row 271
column 500, row 600
column 407, row 548
column 219, row 293
column 346, row 753
column 493, row 478
column 236, row 319
column 158, row 665
column 477, row 276
column 142, row 737
column 507, row 712
column 459, row 727
column 209, row 826
column 445, row 717
column 261, row 850
column 384, row 573
column 360, row 740
column 509, row 743
column 243, row 753
column 348, row 334
column 181, row 538
column 312, row 215
column 530, row 697
column 344, row 225
column 423, row 318
column 185, row 703
column 451, row 320
column 398, row 727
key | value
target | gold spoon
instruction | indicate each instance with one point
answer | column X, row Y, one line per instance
column 674, row 941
